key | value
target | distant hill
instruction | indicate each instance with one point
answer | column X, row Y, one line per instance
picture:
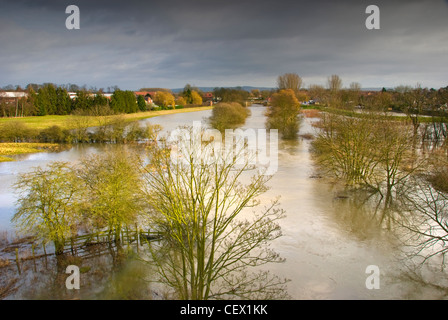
column 209, row 89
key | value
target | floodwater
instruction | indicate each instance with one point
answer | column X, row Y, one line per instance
column 328, row 241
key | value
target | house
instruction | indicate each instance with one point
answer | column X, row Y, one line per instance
column 148, row 95
column 12, row 96
column 74, row 95
column 207, row 95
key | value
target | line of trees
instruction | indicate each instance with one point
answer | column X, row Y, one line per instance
column 58, row 202
column 231, row 95
column 191, row 95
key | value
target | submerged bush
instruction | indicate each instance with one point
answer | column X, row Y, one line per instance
column 228, row 116
column 53, row 134
column 366, row 151
column 283, row 114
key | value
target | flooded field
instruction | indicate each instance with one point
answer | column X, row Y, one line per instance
column 329, row 236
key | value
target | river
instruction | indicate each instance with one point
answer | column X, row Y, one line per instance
column 328, row 239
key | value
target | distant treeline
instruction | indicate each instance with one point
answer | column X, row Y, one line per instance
column 50, row 99
column 239, row 95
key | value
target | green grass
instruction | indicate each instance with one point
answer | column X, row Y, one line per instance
column 9, row 149
column 43, row 122
column 40, row 122
column 150, row 114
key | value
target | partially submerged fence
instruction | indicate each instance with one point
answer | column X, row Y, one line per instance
column 82, row 246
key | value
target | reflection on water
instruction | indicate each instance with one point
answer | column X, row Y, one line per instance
column 104, row 274
column 330, row 235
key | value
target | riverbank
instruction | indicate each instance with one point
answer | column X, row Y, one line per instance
column 386, row 115
column 66, row 122
column 49, row 133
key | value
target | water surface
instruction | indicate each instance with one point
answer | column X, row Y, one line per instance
column 328, row 240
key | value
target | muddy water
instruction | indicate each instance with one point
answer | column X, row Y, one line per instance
column 328, row 238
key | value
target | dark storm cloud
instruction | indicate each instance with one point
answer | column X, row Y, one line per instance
column 168, row 43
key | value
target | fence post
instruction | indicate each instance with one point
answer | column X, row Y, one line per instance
column 18, row 261
column 45, row 253
column 137, row 236
column 34, row 258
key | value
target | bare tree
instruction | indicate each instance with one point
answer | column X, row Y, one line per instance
column 290, row 81
column 427, row 222
column 334, row 83
column 208, row 248
column 367, row 150
column 318, row 93
column 413, row 102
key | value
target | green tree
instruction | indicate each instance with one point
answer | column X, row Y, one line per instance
column 112, row 184
column 46, row 97
column 196, row 98
column 164, row 99
column 124, row 102
column 283, row 114
column 47, row 204
column 231, row 95
column 63, row 102
column 99, row 100
column 186, row 93
column 83, row 100
column 141, row 103
column 180, row 101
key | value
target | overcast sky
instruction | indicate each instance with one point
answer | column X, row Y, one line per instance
column 168, row 43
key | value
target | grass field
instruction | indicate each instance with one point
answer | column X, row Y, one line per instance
column 64, row 122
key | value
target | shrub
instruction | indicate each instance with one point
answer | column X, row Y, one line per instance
column 228, row 116
column 16, row 131
column 283, row 114
column 53, row 134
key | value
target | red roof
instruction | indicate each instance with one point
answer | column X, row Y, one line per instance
column 144, row 93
